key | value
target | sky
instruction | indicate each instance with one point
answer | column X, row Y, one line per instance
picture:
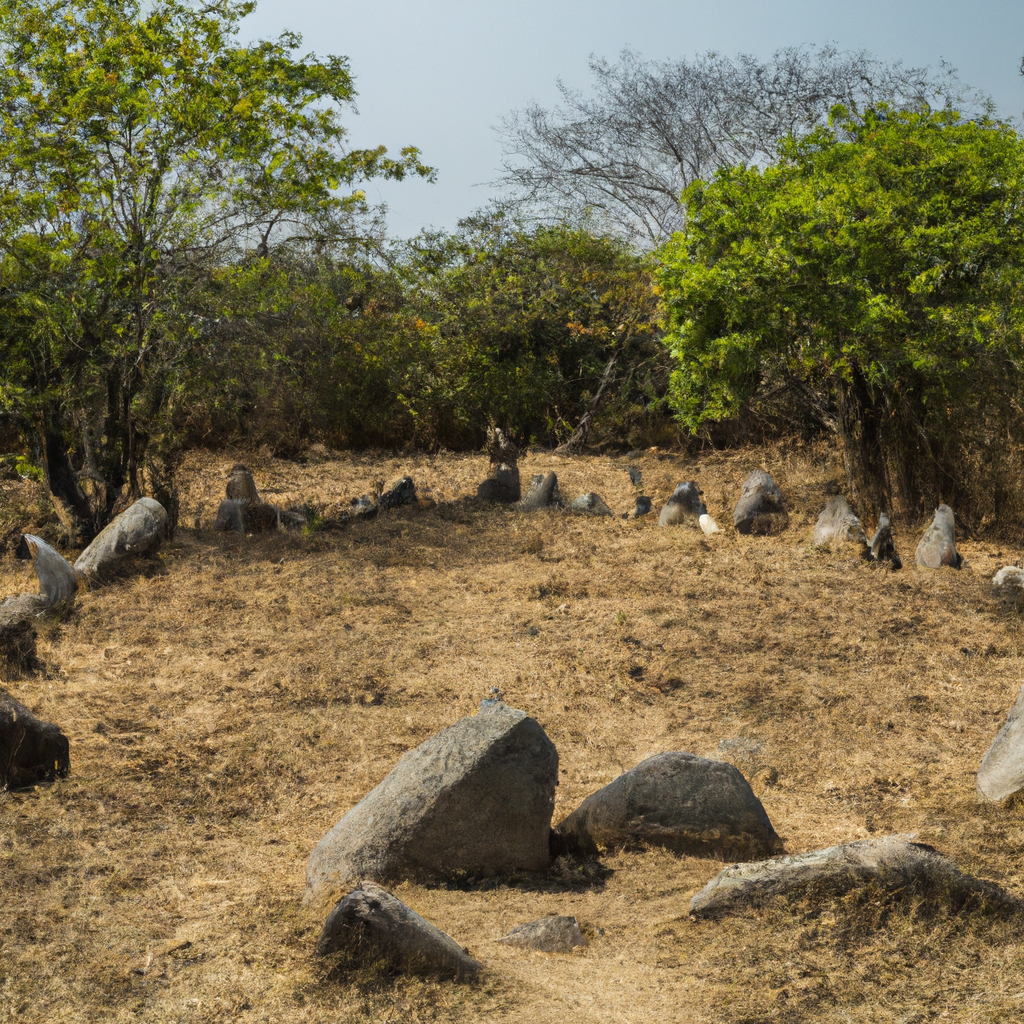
column 441, row 76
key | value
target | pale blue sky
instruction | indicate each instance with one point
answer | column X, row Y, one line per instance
column 441, row 75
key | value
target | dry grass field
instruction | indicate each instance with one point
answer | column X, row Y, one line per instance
column 230, row 700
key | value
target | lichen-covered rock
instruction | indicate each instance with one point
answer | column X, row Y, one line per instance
column 895, row 862
column 1002, row 770
column 555, row 934
column 938, row 546
column 477, row 797
column 761, row 509
column 372, row 927
column 139, row 530
column 685, row 803
column 838, row 525
column 31, row 750
column 1010, row 578
column 684, row 505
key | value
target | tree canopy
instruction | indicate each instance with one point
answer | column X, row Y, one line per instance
column 875, row 264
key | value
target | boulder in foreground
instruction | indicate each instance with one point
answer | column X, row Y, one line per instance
column 372, row 927
column 896, row 862
column 31, row 750
column 138, row 530
column 476, row 797
column 688, row 804
column 1002, row 770
column 760, row 509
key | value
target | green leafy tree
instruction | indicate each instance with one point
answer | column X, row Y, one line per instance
column 142, row 148
column 875, row 267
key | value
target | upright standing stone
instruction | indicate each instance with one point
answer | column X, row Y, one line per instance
column 684, row 504
column 883, row 547
column 542, row 492
column 838, row 525
column 476, row 797
column 760, row 509
column 938, row 547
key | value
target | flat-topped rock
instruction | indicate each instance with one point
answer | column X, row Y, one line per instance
column 688, row 804
column 590, row 503
column 476, row 798
column 557, row 933
column 896, row 862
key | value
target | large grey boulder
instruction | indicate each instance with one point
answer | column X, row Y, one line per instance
column 30, row 750
column 684, row 505
column 895, row 862
column 685, row 803
column 372, row 927
column 838, row 525
column 477, row 797
column 138, row 530
column 542, row 492
column 938, row 547
column 761, row 509
column 883, row 547
column 1002, row 769
column 558, row 933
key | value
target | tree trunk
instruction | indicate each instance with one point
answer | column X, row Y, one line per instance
column 69, row 501
column 860, row 420
column 582, row 431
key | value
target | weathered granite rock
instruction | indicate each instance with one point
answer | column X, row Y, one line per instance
column 371, row 927
column 938, row 547
column 139, row 530
column 504, row 486
column 761, row 509
column 1010, row 579
column 1002, row 769
column 477, row 797
column 883, row 547
column 556, row 934
column 57, row 580
column 542, row 492
column 838, row 525
column 30, row 750
column 685, row 803
column 683, row 505
column 896, row 862
column 590, row 503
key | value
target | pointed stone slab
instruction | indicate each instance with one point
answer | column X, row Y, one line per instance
column 688, row 804
column 894, row 861
column 57, row 580
column 1002, row 770
column 883, row 547
column 139, row 530
column 477, row 797
column 938, row 545
column 372, row 927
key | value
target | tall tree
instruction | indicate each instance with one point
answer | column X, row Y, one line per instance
column 878, row 262
column 648, row 129
column 141, row 147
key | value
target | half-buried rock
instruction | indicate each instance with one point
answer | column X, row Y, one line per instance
column 590, row 503
column 1002, row 771
column 760, row 509
column 542, row 492
column 895, row 862
column 372, row 927
column 688, row 804
column 476, row 798
column 558, row 933
column 938, row 546
column 138, row 530
column 684, row 505
column 30, row 750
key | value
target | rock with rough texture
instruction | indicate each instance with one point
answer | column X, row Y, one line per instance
column 477, row 797
column 590, row 503
column 938, row 546
column 1002, row 770
column 643, row 506
column 57, row 580
column 504, row 486
column 1010, row 579
column 760, row 509
column 838, row 525
column 231, row 515
column 139, row 530
column 30, row 750
column 542, row 492
column 555, row 934
column 895, row 862
column 883, row 547
column 372, row 927
column 401, row 492
column 684, row 505
column 685, row 803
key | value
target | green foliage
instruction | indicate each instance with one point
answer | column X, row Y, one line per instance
column 875, row 266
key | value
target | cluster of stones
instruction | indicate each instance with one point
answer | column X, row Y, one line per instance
column 32, row 750
column 477, row 799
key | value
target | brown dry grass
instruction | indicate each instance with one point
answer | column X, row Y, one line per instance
column 228, row 703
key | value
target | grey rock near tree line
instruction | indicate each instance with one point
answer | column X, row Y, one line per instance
column 139, row 530
column 761, row 509
column 938, row 545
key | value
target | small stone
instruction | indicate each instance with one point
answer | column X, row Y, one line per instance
column 590, row 503
column 555, row 934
